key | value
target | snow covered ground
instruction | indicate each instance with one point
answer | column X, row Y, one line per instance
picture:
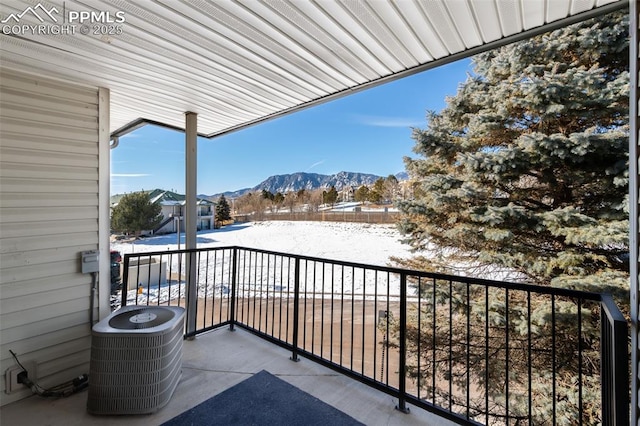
column 371, row 244
column 355, row 242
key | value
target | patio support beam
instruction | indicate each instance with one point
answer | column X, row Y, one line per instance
column 191, row 214
column 104, row 220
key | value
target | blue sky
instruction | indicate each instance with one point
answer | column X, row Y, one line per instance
column 367, row 132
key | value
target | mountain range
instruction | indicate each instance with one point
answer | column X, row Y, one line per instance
column 301, row 180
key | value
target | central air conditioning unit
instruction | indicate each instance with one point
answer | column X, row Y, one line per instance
column 136, row 360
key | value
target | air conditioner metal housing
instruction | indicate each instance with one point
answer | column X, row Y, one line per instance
column 136, row 360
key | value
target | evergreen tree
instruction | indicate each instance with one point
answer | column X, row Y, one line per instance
column 330, row 196
column 223, row 211
column 377, row 192
column 526, row 167
column 134, row 213
column 525, row 170
column 267, row 195
column 362, row 194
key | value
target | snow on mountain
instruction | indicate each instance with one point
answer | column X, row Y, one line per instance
column 297, row 181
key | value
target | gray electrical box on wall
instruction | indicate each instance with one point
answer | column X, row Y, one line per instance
column 89, row 261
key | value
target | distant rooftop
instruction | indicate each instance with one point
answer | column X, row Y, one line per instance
column 163, row 197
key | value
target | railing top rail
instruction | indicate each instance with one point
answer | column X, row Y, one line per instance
column 585, row 295
column 611, row 309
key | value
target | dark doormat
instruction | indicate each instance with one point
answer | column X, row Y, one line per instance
column 262, row 399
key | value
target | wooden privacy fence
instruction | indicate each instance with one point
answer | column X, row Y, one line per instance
column 332, row 216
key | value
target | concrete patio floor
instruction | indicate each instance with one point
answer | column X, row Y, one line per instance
column 216, row 361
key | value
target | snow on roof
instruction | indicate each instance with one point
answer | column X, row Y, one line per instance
column 166, row 198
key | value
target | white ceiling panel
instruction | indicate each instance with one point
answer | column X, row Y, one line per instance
column 559, row 10
column 488, row 20
column 533, row 14
column 465, row 22
column 402, row 36
column 237, row 63
column 438, row 15
column 579, row 6
column 510, row 13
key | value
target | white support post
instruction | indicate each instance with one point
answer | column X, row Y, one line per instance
column 191, row 215
column 104, row 221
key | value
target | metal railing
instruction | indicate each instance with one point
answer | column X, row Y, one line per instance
column 470, row 350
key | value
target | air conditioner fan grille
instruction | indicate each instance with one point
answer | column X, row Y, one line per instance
column 137, row 319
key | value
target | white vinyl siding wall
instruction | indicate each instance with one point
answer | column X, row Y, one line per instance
column 49, row 163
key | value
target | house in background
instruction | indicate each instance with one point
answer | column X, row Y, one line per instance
column 206, row 214
column 173, row 209
column 208, row 68
column 347, row 193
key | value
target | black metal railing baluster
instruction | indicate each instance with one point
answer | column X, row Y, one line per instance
column 304, row 307
column 179, row 277
column 402, row 369
column 280, row 298
column 553, row 357
column 387, row 331
column 486, row 354
column 258, row 296
column 149, row 280
column 221, row 284
column 234, row 284
column 341, row 346
column 254, row 286
column 288, row 295
column 296, row 308
column 530, row 358
column 450, row 364
column 419, row 328
column 468, row 360
column 206, row 289
column 506, row 353
column 170, row 275
column 433, row 345
column 364, row 316
column 196, row 275
column 332, row 309
column 137, row 292
column 322, row 314
column 270, row 299
column 353, row 311
column 245, row 273
column 273, row 308
column 267, row 300
column 125, row 282
column 313, row 311
column 580, row 410
column 225, row 289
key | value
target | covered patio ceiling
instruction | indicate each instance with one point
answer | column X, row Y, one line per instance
column 238, row 63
